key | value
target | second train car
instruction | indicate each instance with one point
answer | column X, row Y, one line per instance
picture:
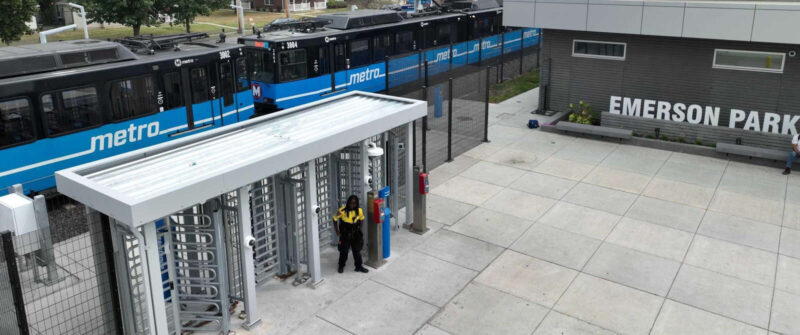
column 309, row 61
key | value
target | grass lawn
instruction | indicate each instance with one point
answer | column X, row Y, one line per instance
column 225, row 17
column 510, row 88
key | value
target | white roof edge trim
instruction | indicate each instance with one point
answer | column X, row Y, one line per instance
column 103, row 186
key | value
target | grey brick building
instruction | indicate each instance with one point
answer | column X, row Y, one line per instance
column 713, row 70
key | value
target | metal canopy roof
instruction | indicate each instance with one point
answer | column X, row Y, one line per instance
column 150, row 183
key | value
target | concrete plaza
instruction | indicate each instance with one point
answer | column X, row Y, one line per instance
column 539, row 233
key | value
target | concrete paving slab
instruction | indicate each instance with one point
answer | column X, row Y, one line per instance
column 791, row 215
column 651, row 238
column 544, row 185
column 446, row 210
column 747, row 206
column 458, row 165
column 785, row 309
column 666, row 213
column 517, row 158
column 520, row 204
column 425, row 277
column 753, row 186
column 505, row 135
column 316, row 326
column 609, row 305
column 483, row 310
column 691, row 174
column 557, row 246
column 741, row 231
column 484, row 150
column 636, row 159
column 757, row 172
column 527, row 277
column 702, row 161
column 739, row 299
column 586, row 151
column 382, row 311
column 404, row 240
column 633, row 268
column 683, row 193
column 541, row 143
column 790, row 242
column 466, row 190
column 460, row 249
column 490, row 226
column 617, row 179
column 564, row 168
column 577, row 219
column 605, row 199
column 493, row 173
column 430, row 330
column 677, row 318
column 435, row 179
column 559, row 324
column 788, row 276
column 733, row 259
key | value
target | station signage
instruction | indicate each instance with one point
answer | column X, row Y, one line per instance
column 707, row 115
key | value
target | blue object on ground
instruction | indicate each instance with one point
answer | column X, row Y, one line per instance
column 387, row 249
column 533, row 124
column 437, row 103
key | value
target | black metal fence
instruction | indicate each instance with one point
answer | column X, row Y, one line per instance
column 58, row 278
column 456, row 81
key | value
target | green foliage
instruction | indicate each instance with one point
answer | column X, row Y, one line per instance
column 582, row 113
column 185, row 11
column 698, row 142
column 131, row 13
column 510, row 88
column 650, row 136
column 664, row 138
column 636, row 134
column 15, row 14
column 336, row 4
column 681, row 139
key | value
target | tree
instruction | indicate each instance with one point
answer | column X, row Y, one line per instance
column 185, row 11
column 15, row 14
column 132, row 13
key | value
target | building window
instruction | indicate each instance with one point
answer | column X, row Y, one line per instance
column 16, row 122
column 598, row 49
column 749, row 60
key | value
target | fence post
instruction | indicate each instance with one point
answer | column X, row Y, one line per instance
column 501, row 73
column 480, row 51
column 16, row 284
column 386, row 72
column 451, row 56
column 426, row 75
column 425, row 130
column 419, row 62
column 450, row 120
column 108, row 242
column 486, row 108
column 521, row 49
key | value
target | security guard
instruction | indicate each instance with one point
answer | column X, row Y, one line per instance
column 347, row 222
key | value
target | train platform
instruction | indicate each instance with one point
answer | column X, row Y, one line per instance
column 540, row 233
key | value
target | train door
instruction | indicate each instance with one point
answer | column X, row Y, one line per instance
column 226, row 106
column 199, row 96
column 341, row 64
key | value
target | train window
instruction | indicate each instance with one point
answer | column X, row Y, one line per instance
column 262, row 64
column 429, row 36
column 484, row 27
column 359, row 53
column 404, row 42
column 199, row 80
column 443, row 33
column 70, row 110
column 292, row 65
column 242, row 83
column 323, row 62
column 173, row 97
column 226, row 84
column 133, row 97
column 340, row 58
column 15, row 122
column 382, row 46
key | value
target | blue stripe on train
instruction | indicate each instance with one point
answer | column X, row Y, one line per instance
column 34, row 164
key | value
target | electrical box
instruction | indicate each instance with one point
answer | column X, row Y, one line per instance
column 378, row 211
column 17, row 214
column 424, row 188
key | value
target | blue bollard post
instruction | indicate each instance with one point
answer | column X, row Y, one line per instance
column 387, row 250
column 437, row 103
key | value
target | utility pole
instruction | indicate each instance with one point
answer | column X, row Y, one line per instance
column 286, row 7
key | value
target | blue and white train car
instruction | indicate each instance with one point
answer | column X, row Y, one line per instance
column 67, row 103
column 296, row 66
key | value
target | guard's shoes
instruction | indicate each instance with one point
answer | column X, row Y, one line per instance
column 362, row 270
column 787, row 171
column 341, row 269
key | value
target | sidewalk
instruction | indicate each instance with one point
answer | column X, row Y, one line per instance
column 539, row 233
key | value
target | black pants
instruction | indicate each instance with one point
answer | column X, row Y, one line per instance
column 350, row 238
